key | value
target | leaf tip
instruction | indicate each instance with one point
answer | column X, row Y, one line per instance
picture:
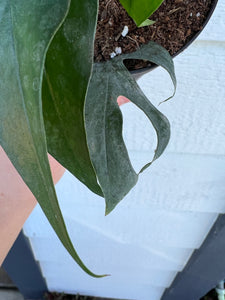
column 107, row 211
column 94, row 275
column 147, row 22
column 103, row 276
column 109, row 208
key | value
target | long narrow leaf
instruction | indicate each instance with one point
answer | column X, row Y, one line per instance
column 140, row 10
column 103, row 121
column 27, row 28
column 67, row 71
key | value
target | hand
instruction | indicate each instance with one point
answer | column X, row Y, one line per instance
column 16, row 201
column 122, row 100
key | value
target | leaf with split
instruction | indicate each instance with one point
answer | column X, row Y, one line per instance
column 67, row 72
column 27, row 28
column 140, row 10
column 103, row 121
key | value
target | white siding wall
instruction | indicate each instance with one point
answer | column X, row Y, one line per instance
column 152, row 233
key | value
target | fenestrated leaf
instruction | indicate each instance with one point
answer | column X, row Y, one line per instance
column 67, row 71
column 140, row 10
column 103, row 120
column 159, row 56
column 26, row 30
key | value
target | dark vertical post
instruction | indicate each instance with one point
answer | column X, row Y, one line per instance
column 205, row 268
column 24, row 271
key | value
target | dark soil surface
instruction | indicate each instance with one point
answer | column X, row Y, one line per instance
column 57, row 296
column 176, row 21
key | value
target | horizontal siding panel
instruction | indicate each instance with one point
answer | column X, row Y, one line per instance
column 195, row 113
column 131, row 257
column 117, row 276
column 139, row 292
column 173, row 229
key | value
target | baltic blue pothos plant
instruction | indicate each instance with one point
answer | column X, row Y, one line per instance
column 54, row 99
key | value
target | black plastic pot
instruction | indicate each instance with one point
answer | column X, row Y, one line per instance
column 138, row 73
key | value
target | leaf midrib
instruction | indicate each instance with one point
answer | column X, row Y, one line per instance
column 105, row 127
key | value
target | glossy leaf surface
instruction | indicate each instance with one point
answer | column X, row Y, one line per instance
column 140, row 10
column 67, row 71
column 103, row 121
column 26, row 30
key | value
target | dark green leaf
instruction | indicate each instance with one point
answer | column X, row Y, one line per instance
column 140, row 10
column 26, row 30
column 67, row 71
column 103, row 121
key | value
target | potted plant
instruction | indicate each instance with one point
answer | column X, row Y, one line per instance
column 53, row 64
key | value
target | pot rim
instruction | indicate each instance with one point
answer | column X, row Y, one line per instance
column 142, row 71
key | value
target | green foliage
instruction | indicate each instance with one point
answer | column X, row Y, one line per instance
column 68, row 68
column 140, row 10
column 27, row 28
column 103, row 121
column 147, row 23
column 46, row 52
